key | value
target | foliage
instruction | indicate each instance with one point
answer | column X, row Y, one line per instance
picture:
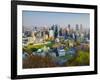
column 50, row 44
column 66, row 48
column 81, row 59
column 32, row 48
column 38, row 62
column 25, row 49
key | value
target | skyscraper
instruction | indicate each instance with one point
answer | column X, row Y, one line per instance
column 60, row 32
column 51, row 34
column 77, row 27
column 69, row 27
column 81, row 28
column 56, row 31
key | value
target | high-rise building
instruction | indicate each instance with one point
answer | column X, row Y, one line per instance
column 33, row 36
column 52, row 27
column 55, row 28
column 60, row 32
column 56, row 31
column 81, row 28
column 51, row 34
column 77, row 27
column 69, row 27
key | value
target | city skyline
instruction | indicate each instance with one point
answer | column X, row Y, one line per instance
column 46, row 42
column 36, row 18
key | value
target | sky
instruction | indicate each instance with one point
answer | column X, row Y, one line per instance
column 40, row 18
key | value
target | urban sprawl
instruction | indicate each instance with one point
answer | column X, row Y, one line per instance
column 55, row 46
